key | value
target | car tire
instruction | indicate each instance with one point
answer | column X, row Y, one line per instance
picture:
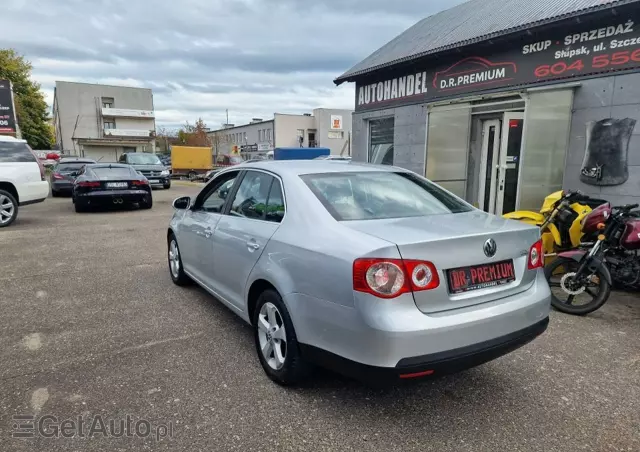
column 147, row 203
column 10, row 205
column 55, row 194
column 176, row 270
column 167, row 186
column 80, row 207
column 288, row 368
column 192, row 175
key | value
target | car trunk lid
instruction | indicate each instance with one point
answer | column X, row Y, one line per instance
column 455, row 241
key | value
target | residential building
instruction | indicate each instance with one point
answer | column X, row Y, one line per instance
column 505, row 102
column 323, row 128
column 102, row 121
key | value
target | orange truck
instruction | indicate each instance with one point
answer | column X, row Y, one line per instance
column 191, row 161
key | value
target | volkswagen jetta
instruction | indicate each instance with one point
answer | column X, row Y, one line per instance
column 372, row 271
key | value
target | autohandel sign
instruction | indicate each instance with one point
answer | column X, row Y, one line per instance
column 589, row 49
column 7, row 114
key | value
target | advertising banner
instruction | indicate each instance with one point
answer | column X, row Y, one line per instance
column 582, row 49
column 7, row 113
column 336, row 122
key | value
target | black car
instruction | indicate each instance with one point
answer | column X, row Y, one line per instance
column 103, row 184
column 150, row 166
column 64, row 173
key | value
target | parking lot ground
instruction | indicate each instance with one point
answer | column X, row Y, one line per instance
column 91, row 324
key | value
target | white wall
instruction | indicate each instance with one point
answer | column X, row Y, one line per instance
column 81, row 102
column 323, row 124
column 286, row 129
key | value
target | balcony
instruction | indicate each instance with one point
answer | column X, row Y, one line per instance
column 127, row 113
column 127, row 133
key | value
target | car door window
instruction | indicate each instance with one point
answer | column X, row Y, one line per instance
column 251, row 198
column 214, row 201
column 275, row 203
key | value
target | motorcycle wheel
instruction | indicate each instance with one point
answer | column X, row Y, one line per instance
column 563, row 298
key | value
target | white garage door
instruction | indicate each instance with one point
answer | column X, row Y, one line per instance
column 102, row 154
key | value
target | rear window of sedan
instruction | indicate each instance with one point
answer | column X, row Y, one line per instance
column 70, row 166
column 381, row 195
column 116, row 171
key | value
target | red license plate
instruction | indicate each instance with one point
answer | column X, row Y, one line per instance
column 465, row 279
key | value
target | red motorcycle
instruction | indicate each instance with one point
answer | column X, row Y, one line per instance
column 591, row 270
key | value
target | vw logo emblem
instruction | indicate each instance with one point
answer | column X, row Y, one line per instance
column 490, row 248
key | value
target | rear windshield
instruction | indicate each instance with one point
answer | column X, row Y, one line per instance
column 143, row 159
column 15, row 152
column 104, row 172
column 75, row 166
column 381, row 195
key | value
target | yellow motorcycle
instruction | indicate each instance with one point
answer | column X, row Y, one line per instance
column 559, row 219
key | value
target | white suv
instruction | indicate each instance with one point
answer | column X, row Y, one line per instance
column 22, row 178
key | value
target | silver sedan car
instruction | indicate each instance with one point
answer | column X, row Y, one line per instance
column 372, row 271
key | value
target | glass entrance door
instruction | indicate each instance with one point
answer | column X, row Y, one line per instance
column 512, row 126
column 489, row 165
column 500, row 163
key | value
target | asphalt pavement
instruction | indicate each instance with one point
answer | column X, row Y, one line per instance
column 91, row 326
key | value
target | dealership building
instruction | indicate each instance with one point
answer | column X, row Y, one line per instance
column 503, row 102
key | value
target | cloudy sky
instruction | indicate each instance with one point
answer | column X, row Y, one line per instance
column 201, row 57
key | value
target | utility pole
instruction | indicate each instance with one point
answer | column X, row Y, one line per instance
column 227, row 110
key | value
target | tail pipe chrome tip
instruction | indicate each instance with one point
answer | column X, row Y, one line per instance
column 117, row 200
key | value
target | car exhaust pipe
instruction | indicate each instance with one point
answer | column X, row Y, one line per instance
column 117, row 200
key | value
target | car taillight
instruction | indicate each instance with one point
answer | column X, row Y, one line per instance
column 89, row 184
column 390, row 278
column 58, row 176
column 536, row 256
column 423, row 275
column 139, row 182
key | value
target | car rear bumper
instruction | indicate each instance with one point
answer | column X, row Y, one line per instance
column 108, row 196
column 158, row 181
column 433, row 365
column 62, row 186
column 33, row 192
column 392, row 333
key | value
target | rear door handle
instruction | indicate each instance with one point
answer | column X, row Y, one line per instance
column 253, row 245
column 208, row 232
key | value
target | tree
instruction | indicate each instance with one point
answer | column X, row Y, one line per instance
column 194, row 135
column 32, row 110
column 165, row 138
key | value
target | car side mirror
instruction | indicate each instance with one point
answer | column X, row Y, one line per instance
column 182, row 203
column 223, row 194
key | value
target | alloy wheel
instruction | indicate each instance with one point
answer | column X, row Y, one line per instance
column 174, row 258
column 272, row 336
column 7, row 209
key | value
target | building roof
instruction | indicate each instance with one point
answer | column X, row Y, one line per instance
column 265, row 121
column 472, row 22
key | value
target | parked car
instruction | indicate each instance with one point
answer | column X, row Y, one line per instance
column 150, row 166
column 228, row 160
column 103, row 184
column 372, row 271
column 22, row 178
column 64, row 173
column 334, row 157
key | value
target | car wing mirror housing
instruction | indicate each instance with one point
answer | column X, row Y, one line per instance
column 182, row 203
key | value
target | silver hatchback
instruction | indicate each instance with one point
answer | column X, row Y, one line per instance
column 372, row 271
